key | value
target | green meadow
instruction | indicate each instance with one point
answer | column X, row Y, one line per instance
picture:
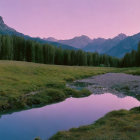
column 25, row 85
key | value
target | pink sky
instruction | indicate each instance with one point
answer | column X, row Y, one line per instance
column 64, row 19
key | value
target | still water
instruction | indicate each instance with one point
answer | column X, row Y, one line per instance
column 46, row 121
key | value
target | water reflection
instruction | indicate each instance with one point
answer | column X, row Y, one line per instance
column 46, row 121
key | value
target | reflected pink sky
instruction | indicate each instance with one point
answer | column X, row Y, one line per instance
column 68, row 18
column 72, row 112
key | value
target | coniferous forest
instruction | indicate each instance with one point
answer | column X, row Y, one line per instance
column 19, row 49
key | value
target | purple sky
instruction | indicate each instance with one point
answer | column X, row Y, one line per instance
column 64, row 19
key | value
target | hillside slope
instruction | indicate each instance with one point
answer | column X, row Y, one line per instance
column 6, row 30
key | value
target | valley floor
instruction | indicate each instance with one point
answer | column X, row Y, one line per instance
column 25, row 85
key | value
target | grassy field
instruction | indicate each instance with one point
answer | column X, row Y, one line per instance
column 18, row 80
column 133, row 70
column 116, row 125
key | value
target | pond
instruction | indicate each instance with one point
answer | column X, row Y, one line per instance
column 73, row 112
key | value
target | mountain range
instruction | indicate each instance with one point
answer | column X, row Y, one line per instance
column 77, row 42
column 117, row 46
column 103, row 46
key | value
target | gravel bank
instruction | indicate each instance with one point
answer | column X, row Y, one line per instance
column 117, row 83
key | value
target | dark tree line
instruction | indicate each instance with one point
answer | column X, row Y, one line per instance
column 20, row 49
column 131, row 59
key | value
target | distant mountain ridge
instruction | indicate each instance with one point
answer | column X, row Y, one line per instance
column 102, row 45
column 127, row 45
column 51, row 39
column 117, row 46
column 77, row 42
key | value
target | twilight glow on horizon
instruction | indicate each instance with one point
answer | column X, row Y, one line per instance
column 65, row 19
